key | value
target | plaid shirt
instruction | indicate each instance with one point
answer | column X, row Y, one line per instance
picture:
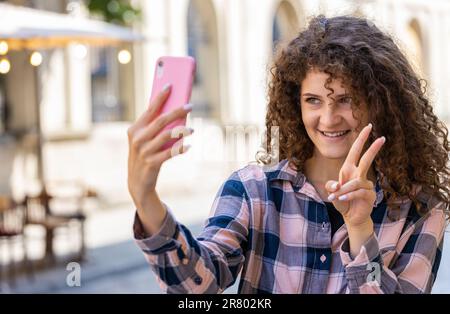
column 271, row 227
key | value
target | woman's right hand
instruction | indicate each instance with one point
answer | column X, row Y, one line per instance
column 145, row 156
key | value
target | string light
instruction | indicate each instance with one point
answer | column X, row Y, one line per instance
column 80, row 51
column 5, row 66
column 4, row 48
column 36, row 59
column 124, row 56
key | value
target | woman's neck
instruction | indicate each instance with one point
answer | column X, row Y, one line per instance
column 319, row 169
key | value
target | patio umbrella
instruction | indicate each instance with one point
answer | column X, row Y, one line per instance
column 26, row 28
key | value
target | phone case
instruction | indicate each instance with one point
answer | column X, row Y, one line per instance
column 179, row 72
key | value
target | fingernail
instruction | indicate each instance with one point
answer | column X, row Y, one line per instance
column 187, row 107
column 343, row 197
column 334, row 186
column 331, row 197
column 370, row 125
column 383, row 139
column 166, row 87
column 186, row 148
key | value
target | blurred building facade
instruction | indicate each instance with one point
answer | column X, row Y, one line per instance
column 88, row 99
column 75, row 88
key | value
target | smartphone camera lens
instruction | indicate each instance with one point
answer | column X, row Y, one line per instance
column 160, row 69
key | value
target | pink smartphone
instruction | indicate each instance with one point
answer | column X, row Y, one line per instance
column 179, row 72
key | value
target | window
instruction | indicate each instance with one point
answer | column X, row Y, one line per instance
column 197, row 36
column 276, row 37
column 106, row 103
column 203, row 46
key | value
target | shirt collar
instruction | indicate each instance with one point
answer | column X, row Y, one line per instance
column 283, row 171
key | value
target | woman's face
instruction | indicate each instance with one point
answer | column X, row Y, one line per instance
column 328, row 119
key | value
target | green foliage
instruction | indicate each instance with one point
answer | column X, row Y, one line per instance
column 114, row 11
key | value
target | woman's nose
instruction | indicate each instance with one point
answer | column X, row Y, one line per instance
column 330, row 115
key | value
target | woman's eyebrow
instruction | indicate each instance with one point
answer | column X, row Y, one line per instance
column 318, row 96
column 311, row 95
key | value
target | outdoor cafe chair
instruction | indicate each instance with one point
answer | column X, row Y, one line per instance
column 54, row 212
column 12, row 233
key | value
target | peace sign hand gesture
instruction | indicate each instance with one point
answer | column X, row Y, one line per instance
column 354, row 195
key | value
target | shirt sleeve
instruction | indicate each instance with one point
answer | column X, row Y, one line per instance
column 415, row 268
column 209, row 263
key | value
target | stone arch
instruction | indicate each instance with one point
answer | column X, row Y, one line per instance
column 286, row 23
column 414, row 43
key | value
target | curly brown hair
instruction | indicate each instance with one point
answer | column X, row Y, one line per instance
column 377, row 73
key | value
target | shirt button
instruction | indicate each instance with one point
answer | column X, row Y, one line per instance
column 198, row 280
column 323, row 258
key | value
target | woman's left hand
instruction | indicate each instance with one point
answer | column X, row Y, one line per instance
column 354, row 195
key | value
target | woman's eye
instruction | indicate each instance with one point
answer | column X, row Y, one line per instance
column 312, row 100
column 346, row 100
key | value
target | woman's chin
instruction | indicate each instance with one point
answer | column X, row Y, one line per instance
column 334, row 153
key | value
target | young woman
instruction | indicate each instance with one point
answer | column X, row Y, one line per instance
column 357, row 203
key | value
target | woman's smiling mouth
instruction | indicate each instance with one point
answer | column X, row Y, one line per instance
column 334, row 135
